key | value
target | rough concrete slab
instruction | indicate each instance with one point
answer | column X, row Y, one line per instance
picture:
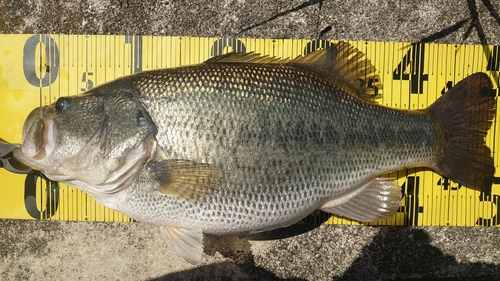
column 445, row 21
column 45, row 250
column 50, row 250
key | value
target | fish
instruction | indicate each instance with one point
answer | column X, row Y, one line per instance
column 244, row 143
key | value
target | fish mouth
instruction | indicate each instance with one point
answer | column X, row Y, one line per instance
column 39, row 135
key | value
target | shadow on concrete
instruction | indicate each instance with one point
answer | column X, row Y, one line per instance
column 474, row 21
column 222, row 271
column 402, row 253
column 237, row 248
column 284, row 13
column 242, row 267
column 396, row 253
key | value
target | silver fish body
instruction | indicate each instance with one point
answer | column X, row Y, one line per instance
column 242, row 143
column 283, row 151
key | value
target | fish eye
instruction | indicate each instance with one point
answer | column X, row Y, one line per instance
column 62, row 104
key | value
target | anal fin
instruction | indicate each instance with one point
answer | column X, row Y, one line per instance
column 186, row 242
column 378, row 199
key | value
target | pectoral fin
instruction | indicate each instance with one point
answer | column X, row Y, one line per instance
column 377, row 200
column 186, row 179
column 186, row 242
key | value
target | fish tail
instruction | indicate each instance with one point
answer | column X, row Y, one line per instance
column 463, row 116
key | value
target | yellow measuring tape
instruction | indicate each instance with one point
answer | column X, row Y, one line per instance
column 37, row 69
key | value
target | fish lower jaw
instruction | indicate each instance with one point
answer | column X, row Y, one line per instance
column 113, row 192
column 40, row 135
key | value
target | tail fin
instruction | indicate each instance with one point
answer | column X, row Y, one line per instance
column 465, row 115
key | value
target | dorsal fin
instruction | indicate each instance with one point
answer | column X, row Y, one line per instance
column 342, row 63
column 346, row 65
column 246, row 58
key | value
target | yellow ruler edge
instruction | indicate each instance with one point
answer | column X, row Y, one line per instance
column 36, row 69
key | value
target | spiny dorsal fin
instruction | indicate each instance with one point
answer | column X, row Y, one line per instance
column 245, row 58
column 346, row 65
column 342, row 63
column 184, row 178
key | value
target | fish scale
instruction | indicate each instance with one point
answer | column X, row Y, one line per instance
column 244, row 143
column 322, row 142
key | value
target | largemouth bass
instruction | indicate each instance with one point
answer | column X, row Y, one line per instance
column 243, row 143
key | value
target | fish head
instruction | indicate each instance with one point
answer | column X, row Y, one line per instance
column 97, row 141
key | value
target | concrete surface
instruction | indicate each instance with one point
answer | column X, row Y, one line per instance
column 44, row 250
column 451, row 21
column 50, row 250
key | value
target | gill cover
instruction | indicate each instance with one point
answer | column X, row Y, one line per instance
column 102, row 138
